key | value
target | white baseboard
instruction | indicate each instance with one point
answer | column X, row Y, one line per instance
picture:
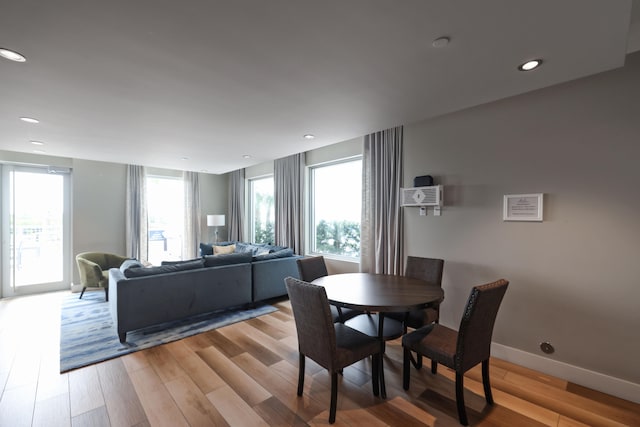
column 584, row 377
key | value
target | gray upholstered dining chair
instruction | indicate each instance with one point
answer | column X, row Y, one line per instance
column 310, row 268
column 464, row 349
column 430, row 270
column 333, row 346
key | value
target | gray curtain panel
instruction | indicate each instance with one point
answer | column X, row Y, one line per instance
column 235, row 222
column 136, row 213
column 381, row 232
column 192, row 215
column 288, row 181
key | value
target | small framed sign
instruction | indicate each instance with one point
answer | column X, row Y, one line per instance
column 522, row 207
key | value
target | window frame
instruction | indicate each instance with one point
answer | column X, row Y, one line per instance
column 310, row 208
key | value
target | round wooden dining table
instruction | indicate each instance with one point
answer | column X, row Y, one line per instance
column 381, row 293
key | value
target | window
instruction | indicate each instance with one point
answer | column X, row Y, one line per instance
column 165, row 211
column 262, row 210
column 335, row 194
column 35, row 230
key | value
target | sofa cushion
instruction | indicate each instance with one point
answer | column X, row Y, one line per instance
column 151, row 271
column 228, row 249
column 227, row 259
column 130, row 263
column 282, row 253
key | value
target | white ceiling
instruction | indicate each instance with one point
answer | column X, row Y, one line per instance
column 152, row 81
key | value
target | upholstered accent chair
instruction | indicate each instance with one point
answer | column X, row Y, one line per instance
column 463, row 349
column 310, row 268
column 94, row 269
column 333, row 346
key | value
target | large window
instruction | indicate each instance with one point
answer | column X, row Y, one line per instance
column 165, row 211
column 262, row 210
column 335, row 192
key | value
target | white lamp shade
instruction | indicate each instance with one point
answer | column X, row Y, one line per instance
column 215, row 220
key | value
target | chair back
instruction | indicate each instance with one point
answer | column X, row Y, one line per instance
column 427, row 269
column 476, row 326
column 314, row 323
column 310, row 268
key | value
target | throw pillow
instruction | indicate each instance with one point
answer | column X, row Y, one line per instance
column 283, row 253
column 206, row 249
column 229, row 249
column 130, row 263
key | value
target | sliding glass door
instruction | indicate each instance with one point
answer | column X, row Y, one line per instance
column 35, row 230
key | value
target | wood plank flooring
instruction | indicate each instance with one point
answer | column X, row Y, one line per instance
column 246, row 374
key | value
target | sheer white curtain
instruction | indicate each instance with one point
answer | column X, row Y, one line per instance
column 381, row 233
column 136, row 213
column 288, row 181
column 192, row 215
column 236, row 206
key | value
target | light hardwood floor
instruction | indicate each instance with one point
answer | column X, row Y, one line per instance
column 246, row 374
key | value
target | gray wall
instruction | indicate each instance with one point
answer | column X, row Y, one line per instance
column 575, row 276
column 214, row 196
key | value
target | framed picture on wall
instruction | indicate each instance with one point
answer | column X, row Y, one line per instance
column 523, row 207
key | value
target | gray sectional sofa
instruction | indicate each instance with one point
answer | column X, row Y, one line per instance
column 141, row 297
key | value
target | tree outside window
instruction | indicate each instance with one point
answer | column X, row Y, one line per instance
column 262, row 210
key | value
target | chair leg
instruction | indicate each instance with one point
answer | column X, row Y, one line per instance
column 405, row 368
column 82, row 293
column 375, row 374
column 106, row 294
column 485, row 382
column 462, row 412
column 301, row 374
column 334, row 397
column 434, row 367
column 417, row 362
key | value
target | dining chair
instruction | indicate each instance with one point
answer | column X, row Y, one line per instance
column 464, row 349
column 333, row 346
column 310, row 268
column 430, row 270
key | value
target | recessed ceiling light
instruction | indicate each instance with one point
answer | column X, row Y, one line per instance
column 39, row 151
column 440, row 42
column 530, row 65
column 29, row 120
column 12, row 55
column 309, row 136
column 246, row 156
column 37, row 142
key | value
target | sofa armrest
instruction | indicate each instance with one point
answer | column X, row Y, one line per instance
column 268, row 277
column 90, row 272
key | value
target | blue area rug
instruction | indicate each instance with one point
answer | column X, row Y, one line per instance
column 87, row 333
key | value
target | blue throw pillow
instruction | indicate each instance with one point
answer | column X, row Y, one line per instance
column 130, row 263
column 283, row 253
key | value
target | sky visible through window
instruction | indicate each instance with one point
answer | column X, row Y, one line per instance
column 338, row 192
